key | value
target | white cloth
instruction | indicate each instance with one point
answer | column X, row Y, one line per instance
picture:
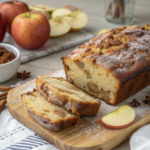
column 15, row 136
column 140, row 140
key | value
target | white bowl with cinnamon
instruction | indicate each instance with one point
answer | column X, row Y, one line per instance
column 9, row 61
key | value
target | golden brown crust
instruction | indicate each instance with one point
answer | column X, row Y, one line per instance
column 55, row 125
column 124, row 52
column 133, row 86
column 67, row 102
column 119, row 47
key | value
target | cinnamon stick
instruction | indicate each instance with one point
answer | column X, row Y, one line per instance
column 2, row 104
column 3, row 97
column 5, row 88
column 121, row 11
column 114, row 14
column 109, row 9
column 3, row 94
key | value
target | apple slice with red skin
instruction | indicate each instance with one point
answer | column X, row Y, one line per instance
column 119, row 118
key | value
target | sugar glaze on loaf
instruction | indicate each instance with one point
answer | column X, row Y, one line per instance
column 112, row 66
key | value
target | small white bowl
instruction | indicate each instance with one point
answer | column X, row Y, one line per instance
column 8, row 70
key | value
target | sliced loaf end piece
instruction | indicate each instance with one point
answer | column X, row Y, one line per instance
column 47, row 114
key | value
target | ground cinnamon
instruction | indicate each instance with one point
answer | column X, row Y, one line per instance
column 6, row 56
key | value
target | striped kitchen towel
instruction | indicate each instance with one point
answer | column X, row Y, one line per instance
column 16, row 136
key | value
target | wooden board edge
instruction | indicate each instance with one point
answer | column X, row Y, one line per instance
column 55, row 142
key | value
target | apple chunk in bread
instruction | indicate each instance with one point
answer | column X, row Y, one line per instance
column 118, row 119
column 59, row 27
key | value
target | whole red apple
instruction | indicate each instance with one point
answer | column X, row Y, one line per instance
column 2, row 27
column 30, row 31
column 10, row 10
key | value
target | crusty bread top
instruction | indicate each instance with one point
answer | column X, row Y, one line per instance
column 124, row 51
column 35, row 102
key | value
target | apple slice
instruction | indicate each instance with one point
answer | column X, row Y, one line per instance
column 60, row 12
column 119, row 118
column 41, row 7
column 59, row 26
column 103, row 31
column 77, row 20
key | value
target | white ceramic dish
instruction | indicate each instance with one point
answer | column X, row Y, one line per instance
column 9, row 69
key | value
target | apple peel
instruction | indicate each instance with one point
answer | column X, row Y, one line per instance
column 119, row 118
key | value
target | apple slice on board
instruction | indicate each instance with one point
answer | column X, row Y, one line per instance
column 60, row 12
column 41, row 7
column 119, row 118
column 59, row 26
column 77, row 20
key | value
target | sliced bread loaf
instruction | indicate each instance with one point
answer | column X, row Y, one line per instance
column 63, row 93
column 49, row 115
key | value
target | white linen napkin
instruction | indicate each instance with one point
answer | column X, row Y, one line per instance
column 140, row 140
column 16, row 136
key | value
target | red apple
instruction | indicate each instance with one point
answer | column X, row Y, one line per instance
column 118, row 119
column 30, row 31
column 10, row 10
column 2, row 27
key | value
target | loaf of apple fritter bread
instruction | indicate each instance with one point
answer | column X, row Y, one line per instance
column 112, row 66
column 47, row 114
column 62, row 93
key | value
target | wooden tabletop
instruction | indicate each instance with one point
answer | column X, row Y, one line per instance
column 95, row 10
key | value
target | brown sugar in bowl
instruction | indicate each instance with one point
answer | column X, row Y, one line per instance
column 9, row 63
column 5, row 55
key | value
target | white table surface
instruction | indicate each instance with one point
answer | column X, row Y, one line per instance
column 95, row 10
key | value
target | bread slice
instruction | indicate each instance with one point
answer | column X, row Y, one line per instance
column 47, row 114
column 63, row 93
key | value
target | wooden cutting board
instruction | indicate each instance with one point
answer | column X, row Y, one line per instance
column 86, row 135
